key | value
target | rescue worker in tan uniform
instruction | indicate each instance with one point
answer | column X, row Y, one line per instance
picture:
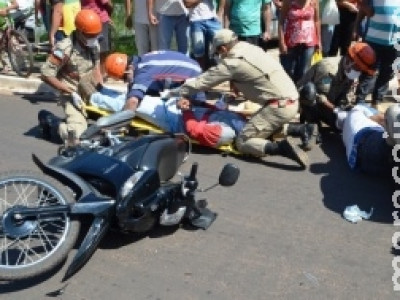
column 73, row 62
column 261, row 79
column 327, row 85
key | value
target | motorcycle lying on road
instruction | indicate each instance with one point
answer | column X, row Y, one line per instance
column 123, row 183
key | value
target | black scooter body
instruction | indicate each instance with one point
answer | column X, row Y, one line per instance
column 98, row 177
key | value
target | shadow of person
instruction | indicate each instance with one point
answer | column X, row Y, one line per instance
column 342, row 187
column 266, row 161
column 37, row 98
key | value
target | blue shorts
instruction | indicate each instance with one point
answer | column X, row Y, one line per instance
column 202, row 33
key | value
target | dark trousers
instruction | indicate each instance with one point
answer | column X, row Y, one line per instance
column 342, row 34
column 250, row 39
column 297, row 61
column 374, row 155
column 377, row 84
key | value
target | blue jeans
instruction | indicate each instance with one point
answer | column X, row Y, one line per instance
column 170, row 24
column 297, row 61
column 202, row 33
column 378, row 84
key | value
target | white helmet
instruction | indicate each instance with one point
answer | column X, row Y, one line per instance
column 392, row 124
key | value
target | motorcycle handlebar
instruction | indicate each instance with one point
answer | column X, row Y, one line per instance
column 193, row 171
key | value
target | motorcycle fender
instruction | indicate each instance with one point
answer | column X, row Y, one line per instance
column 89, row 245
column 73, row 181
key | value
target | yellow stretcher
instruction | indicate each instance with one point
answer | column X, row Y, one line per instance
column 144, row 127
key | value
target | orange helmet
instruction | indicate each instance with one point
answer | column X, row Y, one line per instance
column 363, row 56
column 88, row 22
column 116, row 64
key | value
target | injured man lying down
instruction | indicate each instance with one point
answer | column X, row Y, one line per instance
column 209, row 126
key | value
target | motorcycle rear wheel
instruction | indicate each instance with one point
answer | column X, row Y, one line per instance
column 20, row 53
column 33, row 246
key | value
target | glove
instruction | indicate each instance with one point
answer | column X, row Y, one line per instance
column 77, row 101
column 167, row 93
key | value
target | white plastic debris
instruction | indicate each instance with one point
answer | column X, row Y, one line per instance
column 353, row 214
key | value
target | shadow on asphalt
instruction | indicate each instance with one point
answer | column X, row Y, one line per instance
column 37, row 98
column 14, row 286
column 342, row 187
column 291, row 166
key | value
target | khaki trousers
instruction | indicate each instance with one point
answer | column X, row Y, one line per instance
column 267, row 121
column 74, row 120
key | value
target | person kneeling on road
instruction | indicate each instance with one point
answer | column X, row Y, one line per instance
column 327, row 84
column 262, row 79
column 72, row 60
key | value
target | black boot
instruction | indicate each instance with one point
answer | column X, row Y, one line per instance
column 289, row 149
column 47, row 123
column 306, row 132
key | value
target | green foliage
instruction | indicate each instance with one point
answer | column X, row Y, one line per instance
column 122, row 38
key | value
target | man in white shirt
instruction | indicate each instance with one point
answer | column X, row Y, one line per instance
column 172, row 18
column 18, row 9
column 368, row 148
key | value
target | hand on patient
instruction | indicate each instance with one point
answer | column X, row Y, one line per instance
column 183, row 104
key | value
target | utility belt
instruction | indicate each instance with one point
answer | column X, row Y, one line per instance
column 281, row 103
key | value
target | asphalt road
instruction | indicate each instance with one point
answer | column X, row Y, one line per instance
column 279, row 233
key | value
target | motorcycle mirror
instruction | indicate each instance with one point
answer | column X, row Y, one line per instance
column 229, row 175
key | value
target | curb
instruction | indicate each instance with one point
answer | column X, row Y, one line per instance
column 34, row 85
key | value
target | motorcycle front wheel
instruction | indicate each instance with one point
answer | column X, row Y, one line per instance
column 34, row 245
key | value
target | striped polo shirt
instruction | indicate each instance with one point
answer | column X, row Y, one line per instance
column 154, row 70
column 385, row 23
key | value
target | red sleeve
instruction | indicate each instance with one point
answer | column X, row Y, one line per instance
column 206, row 134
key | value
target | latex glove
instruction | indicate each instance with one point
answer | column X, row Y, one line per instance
column 165, row 94
column 77, row 100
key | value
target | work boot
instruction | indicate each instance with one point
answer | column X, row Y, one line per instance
column 47, row 121
column 289, row 149
column 306, row 132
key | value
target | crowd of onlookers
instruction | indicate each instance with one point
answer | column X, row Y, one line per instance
column 303, row 26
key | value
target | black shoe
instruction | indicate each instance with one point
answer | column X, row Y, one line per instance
column 289, row 149
column 306, row 132
column 45, row 119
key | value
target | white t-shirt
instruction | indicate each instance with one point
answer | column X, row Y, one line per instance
column 172, row 8
column 203, row 11
column 356, row 123
column 25, row 4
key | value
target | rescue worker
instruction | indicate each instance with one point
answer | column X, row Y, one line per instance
column 151, row 73
column 261, row 79
column 328, row 83
column 72, row 61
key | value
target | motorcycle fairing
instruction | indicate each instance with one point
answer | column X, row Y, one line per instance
column 136, row 211
column 163, row 153
column 91, row 165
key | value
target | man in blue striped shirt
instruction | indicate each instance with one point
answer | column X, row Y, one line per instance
column 151, row 73
column 381, row 34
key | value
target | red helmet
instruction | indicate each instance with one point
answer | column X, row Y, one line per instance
column 88, row 22
column 116, row 64
column 363, row 56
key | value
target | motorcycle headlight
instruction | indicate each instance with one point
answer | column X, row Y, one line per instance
column 130, row 183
